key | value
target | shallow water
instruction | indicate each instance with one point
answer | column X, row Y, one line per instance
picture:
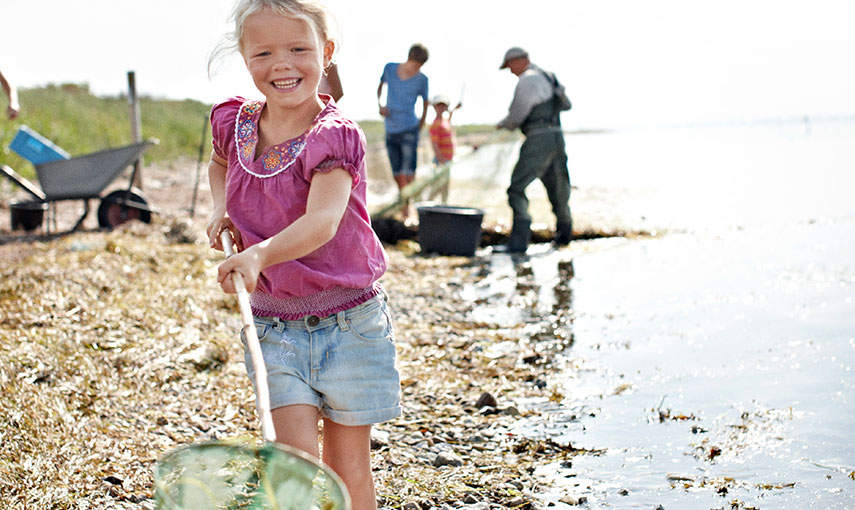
column 751, row 338
column 714, row 363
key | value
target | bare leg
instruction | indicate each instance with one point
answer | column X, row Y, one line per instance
column 297, row 426
column 347, row 450
column 403, row 180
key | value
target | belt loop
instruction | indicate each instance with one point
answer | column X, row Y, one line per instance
column 278, row 325
column 342, row 320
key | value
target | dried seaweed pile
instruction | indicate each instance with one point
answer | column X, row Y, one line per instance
column 461, row 379
column 117, row 347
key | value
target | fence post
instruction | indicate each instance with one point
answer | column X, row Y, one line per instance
column 136, row 125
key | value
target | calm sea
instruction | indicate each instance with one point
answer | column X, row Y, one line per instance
column 714, row 364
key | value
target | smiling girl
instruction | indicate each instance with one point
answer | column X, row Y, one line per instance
column 288, row 180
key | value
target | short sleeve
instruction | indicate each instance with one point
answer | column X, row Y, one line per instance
column 223, row 119
column 339, row 143
column 385, row 76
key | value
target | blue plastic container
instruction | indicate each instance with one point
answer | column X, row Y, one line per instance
column 35, row 148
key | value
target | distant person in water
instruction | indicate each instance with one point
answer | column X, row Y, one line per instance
column 404, row 83
column 14, row 108
column 535, row 110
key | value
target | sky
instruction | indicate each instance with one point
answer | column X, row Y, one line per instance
column 625, row 63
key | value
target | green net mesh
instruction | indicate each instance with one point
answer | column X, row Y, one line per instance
column 229, row 476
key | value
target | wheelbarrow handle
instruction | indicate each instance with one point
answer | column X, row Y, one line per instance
column 252, row 345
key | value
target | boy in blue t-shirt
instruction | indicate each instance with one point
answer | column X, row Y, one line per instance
column 404, row 83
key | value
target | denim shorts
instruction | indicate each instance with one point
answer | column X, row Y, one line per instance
column 403, row 151
column 343, row 364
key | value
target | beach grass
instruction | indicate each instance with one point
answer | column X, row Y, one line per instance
column 72, row 117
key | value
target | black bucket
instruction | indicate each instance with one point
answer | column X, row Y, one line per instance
column 28, row 215
column 450, row 230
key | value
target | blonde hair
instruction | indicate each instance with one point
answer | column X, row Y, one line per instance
column 312, row 12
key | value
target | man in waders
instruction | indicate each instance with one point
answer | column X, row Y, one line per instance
column 535, row 110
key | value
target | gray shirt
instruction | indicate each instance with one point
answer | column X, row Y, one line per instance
column 533, row 88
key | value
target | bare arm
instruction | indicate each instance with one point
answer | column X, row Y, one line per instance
column 425, row 104
column 452, row 110
column 12, row 94
column 219, row 220
column 329, row 195
column 384, row 111
column 333, row 83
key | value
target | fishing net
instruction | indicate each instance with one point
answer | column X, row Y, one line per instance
column 223, row 475
column 217, row 475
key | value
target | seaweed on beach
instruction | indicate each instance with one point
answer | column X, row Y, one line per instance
column 119, row 347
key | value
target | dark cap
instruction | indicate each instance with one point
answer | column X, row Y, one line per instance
column 515, row 52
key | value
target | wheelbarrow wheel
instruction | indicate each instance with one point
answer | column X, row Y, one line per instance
column 120, row 206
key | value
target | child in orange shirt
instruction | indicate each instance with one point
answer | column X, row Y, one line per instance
column 441, row 134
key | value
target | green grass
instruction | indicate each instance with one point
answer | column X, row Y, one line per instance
column 374, row 131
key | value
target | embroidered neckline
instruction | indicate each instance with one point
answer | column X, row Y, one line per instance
column 277, row 158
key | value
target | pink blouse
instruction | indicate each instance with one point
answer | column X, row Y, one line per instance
column 266, row 192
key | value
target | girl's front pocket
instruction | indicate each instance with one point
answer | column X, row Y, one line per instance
column 262, row 330
column 372, row 326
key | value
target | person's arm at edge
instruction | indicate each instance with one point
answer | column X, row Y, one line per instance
column 452, row 110
column 518, row 110
column 334, row 82
column 384, row 111
column 425, row 105
column 12, row 94
column 423, row 120
column 217, row 169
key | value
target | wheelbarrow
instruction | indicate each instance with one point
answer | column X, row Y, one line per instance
column 82, row 178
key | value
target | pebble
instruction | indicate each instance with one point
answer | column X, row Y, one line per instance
column 447, row 458
column 573, row 500
column 476, row 438
column 471, row 498
column 486, row 400
column 379, row 439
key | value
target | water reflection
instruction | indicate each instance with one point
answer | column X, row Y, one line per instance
column 714, row 367
column 532, row 291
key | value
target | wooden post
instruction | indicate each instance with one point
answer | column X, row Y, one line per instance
column 199, row 165
column 136, row 125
